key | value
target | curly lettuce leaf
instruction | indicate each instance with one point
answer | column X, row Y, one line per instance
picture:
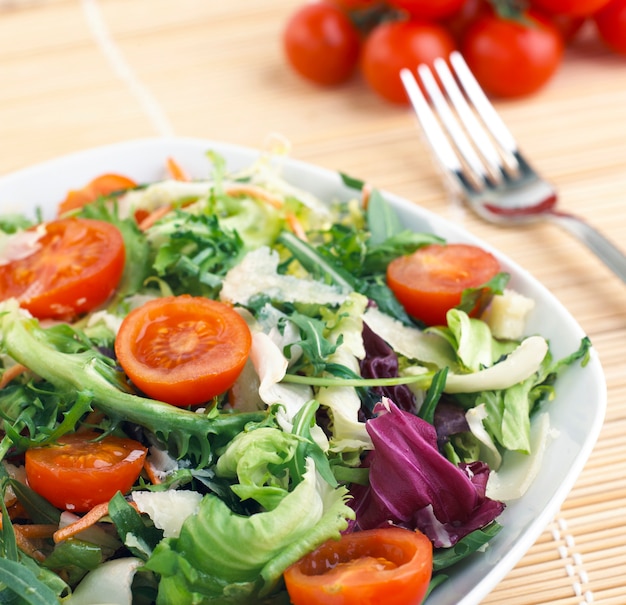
column 224, row 557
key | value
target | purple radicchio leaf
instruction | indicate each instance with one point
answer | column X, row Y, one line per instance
column 449, row 420
column 412, row 485
column 381, row 361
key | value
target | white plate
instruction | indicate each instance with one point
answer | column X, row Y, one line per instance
column 577, row 412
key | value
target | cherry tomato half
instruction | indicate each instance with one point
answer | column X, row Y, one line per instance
column 611, row 25
column 321, row 43
column 512, row 58
column 394, row 45
column 391, row 566
column 75, row 267
column 577, row 8
column 183, row 350
column 80, row 471
column 105, row 184
column 428, row 9
column 430, row 282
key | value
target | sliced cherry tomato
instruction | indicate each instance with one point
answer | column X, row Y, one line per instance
column 427, row 9
column 394, row 45
column 512, row 58
column 102, row 185
column 430, row 282
column 183, row 350
column 76, row 265
column 391, row 566
column 611, row 25
column 577, row 8
column 80, row 470
column 321, row 43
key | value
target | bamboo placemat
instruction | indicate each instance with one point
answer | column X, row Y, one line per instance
column 76, row 74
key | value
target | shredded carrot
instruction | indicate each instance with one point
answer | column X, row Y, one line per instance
column 25, row 544
column 154, row 216
column 89, row 519
column 151, row 472
column 36, row 530
column 10, row 373
column 296, row 226
column 176, row 170
column 255, row 192
column 365, row 195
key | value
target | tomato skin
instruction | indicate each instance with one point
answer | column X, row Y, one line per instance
column 394, row 45
column 321, row 43
column 430, row 281
column 428, row 9
column 391, row 566
column 102, row 185
column 510, row 58
column 610, row 23
column 76, row 268
column 183, row 350
column 458, row 23
column 578, row 8
column 77, row 473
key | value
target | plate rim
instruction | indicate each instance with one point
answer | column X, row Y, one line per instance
column 163, row 146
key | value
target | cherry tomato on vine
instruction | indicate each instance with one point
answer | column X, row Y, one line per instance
column 568, row 25
column 430, row 282
column 512, row 58
column 610, row 23
column 428, row 9
column 391, row 566
column 80, row 470
column 569, row 7
column 458, row 23
column 356, row 4
column 102, row 185
column 183, row 350
column 76, row 265
column 321, row 43
column 394, row 45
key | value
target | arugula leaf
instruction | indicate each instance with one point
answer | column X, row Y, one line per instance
column 95, row 376
column 21, row 581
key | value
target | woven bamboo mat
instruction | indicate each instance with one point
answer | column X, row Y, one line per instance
column 76, row 74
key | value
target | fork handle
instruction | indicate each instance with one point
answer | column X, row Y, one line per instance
column 603, row 248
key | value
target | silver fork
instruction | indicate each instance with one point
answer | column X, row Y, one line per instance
column 482, row 160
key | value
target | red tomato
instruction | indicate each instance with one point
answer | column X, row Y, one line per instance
column 105, row 184
column 183, row 350
column 391, row 566
column 569, row 7
column 76, row 267
column 351, row 5
column 321, row 43
column 394, row 45
column 611, row 25
column 512, row 58
column 430, row 282
column 568, row 25
column 458, row 23
column 79, row 471
column 428, row 9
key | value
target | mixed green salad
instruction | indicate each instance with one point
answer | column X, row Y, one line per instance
column 343, row 412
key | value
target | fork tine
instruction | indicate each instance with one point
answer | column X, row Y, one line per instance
column 469, row 120
column 451, row 124
column 485, row 109
column 430, row 126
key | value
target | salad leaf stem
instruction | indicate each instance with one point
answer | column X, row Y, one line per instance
column 186, row 432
